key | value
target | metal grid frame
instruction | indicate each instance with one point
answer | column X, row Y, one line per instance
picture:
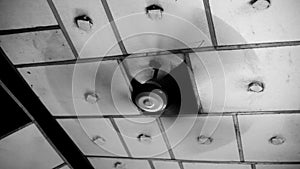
column 185, row 51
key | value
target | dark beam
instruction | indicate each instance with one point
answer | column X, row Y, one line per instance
column 26, row 30
column 20, row 91
column 12, row 114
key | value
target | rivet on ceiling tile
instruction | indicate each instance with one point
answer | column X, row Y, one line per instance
column 256, row 86
column 154, row 11
column 277, row 140
column 91, row 97
column 98, row 139
column 260, row 4
column 119, row 165
column 144, row 138
column 204, row 140
column 83, row 22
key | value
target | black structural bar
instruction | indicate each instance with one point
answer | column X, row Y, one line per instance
column 39, row 114
column 27, row 30
column 11, row 110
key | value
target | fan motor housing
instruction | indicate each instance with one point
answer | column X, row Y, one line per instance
column 150, row 97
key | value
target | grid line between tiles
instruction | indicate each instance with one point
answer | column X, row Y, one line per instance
column 210, row 22
column 187, row 61
column 238, row 137
column 201, row 161
column 63, row 28
column 165, row 137
column 180, row 165
column 120, row 136
column 163, row 53
column 275, row 112
column 114, row 26
column 151, row 164
column 60, row 166
column 117, row 35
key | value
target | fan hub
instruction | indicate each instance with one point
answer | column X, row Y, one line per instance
column 151, row 101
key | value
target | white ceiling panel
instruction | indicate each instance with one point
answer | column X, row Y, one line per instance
column 223, row 77
column 143, row 137
column 99, row 39
column 27, row 149
column 115, row 163
column 36, row 47
column 215, row 166
column 202, row 138
column 166, row 165
column 271, row 137
column 260, row 22
column 282, row 166
column 17, row 14
column 84, row 89
column 94, row 136
column 183, row 24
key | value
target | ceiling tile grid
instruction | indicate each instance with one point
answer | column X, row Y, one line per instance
column 255, row 87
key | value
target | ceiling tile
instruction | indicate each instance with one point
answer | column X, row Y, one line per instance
column 223, row 77
column 27, row 149
column 256, row 23
column 202, row 138
column 270, row 137
column 99, row 40
column 143, row 137
column 85, row 89
column 36, row 47
column 17, row 14
column 94, row 136
column 141, row 33
column 215, row 166
column 282, row 166
column 106, row 163
column 166, row 165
